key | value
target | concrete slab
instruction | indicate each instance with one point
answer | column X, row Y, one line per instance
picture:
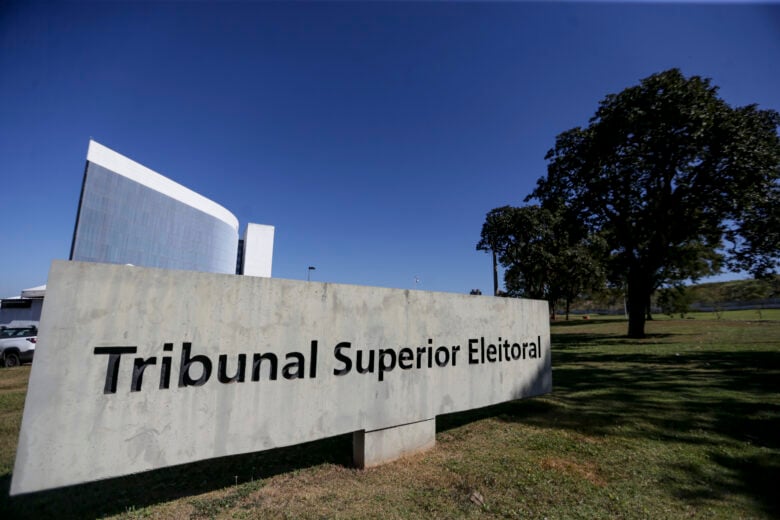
column 138, row 368
column 376, row 447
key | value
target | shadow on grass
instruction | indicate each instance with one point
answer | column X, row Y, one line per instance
column 752, row 476
column 114, row 496
column 722, row 402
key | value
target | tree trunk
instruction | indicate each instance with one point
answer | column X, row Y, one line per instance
column 638, row 296
column 636, row 321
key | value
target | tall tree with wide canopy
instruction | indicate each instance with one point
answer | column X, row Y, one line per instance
column 673, row 178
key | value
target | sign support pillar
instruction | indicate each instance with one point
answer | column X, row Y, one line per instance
column 372, row 448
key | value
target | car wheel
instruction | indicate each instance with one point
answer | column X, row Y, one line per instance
column 12, row 360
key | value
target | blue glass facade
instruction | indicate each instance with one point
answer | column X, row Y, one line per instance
column 123, row 221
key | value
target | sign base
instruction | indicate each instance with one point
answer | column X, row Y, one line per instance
column 372, row 448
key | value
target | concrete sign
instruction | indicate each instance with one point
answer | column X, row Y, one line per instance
column 143, row 368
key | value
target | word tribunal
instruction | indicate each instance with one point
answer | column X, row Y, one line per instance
column 296, row 366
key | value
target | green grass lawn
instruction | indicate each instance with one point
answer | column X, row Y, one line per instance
column 684, row 423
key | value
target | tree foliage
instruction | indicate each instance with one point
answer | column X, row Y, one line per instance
column 669, row 175
column 544, row 256
column 675, row 300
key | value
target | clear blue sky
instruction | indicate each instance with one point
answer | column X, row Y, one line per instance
column 374, row 136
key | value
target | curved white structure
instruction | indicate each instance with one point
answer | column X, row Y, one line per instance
column 129, row 214
column 119, row 164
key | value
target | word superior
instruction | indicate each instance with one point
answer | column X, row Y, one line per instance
column 197, row 369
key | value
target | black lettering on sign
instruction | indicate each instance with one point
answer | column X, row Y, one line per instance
column 222, row 369
column 345, row 360
column 112, row 370
column 379, row 361
column 165, row 369
column 185, row 379
column 257, row 360
column 139, row 365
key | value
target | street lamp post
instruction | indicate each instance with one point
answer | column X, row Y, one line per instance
column 308, row 273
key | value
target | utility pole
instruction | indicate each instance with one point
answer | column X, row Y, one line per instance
column 495, row 274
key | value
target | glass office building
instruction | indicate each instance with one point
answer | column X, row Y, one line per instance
column 130, row 214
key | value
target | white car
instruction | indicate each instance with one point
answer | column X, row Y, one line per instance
column 17, row 345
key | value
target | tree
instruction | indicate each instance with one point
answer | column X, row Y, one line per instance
column 666, row 171
column 754, row 243
column 494, row 237
column 545, row 257
column 579, row 267
column 518, row 238
column 675, row 300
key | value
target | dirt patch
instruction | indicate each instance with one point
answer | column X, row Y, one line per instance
column 586, row 470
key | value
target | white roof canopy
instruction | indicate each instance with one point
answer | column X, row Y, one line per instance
column 34, row 292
